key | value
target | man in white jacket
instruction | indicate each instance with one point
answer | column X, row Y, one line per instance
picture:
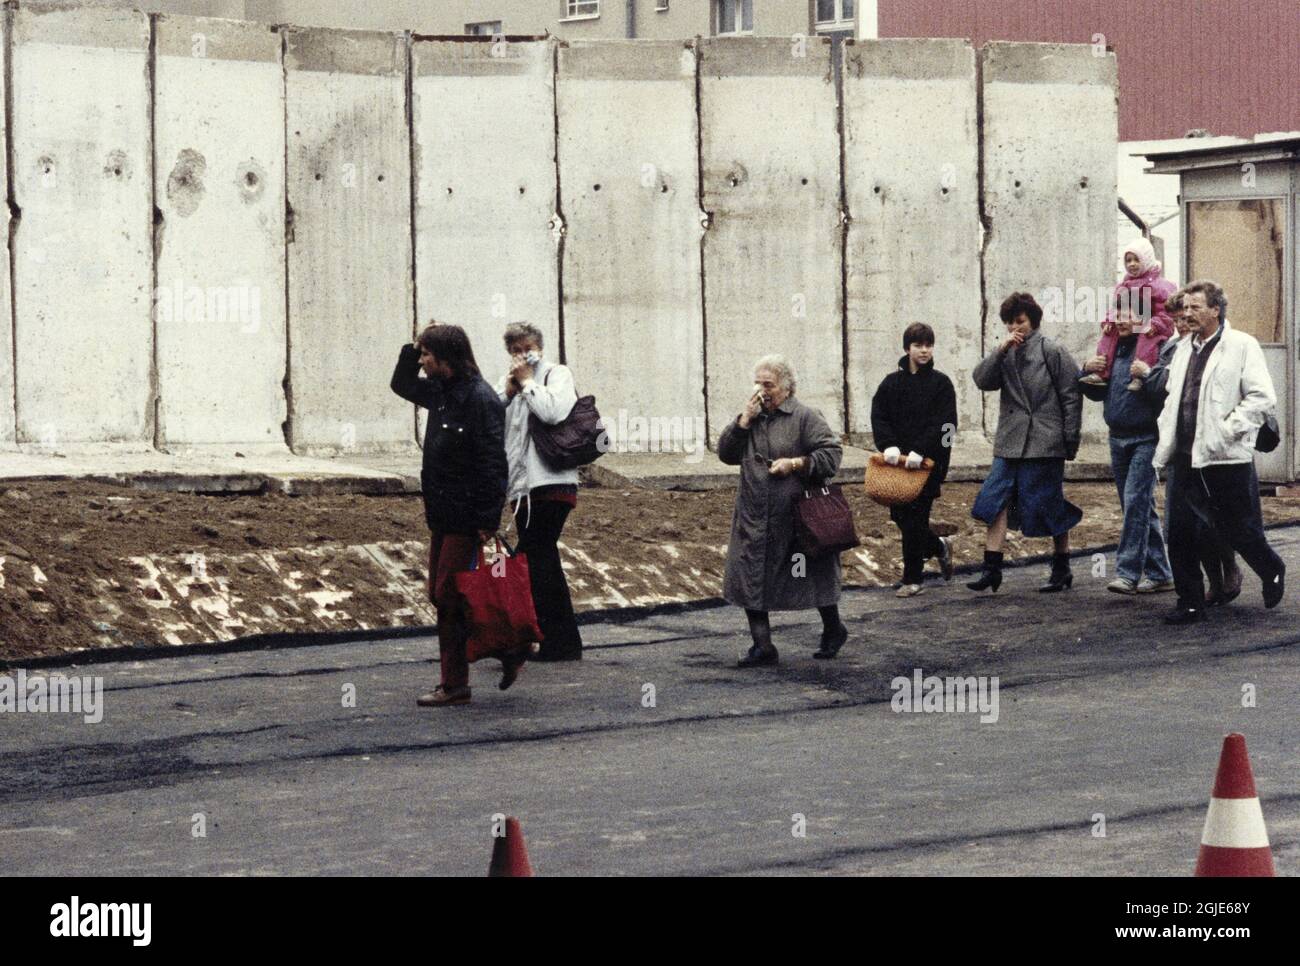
column 1219, row 394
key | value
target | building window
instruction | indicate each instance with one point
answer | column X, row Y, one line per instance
column 581, row 9
column 487, row 28
column 835, row 14
column 733, row 16
column 661, row 6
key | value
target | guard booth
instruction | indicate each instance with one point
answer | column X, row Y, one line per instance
column 1239, row 228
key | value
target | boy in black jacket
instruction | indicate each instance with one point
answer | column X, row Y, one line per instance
column 914, row 412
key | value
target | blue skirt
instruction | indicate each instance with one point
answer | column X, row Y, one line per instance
column 1033, row 493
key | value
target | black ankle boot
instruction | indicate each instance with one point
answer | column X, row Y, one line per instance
column 992, row 575
column 1061, row 578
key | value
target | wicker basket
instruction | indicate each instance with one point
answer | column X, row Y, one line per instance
column 895, row 485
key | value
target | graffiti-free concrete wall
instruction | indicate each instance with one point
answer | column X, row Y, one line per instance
column 485, row 251
column 1049, row 206
column 6, row 302
column 350, row 269
column 770, row 157
column 219, row 186
column 83, row 262
column 911, row 164
column 629, row 172
column 283, row 159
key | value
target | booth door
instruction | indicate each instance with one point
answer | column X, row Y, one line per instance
column 1241, row 244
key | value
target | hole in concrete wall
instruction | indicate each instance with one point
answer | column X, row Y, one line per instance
column 803, row 180
column 521, row 189
column 1083, row 182
column 250, row 179
column 596, row 187
column 381, row 177
column 1017, row 184
column 317, row 175
column 185, row 183
column 876, row 189
column 663, row 189
column 943, row 191
column 449, row 192
column 117, row 165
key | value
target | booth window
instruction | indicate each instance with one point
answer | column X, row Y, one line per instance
column 1239, row 244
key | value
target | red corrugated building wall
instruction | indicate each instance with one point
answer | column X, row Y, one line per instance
column 1229, row 66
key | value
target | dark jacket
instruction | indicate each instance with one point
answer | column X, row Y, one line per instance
column 1154, row 387
column 464, row 474
column 1131, row 415
column 917, row 412
column 1040, row 409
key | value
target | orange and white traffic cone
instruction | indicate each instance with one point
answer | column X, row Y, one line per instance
column 509, row 854
column 1234, row 842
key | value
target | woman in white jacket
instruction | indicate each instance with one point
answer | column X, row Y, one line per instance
column 542, row 497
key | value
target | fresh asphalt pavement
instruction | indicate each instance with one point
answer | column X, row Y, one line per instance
column 656, row 755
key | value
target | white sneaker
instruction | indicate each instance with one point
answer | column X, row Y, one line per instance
column 1122, row 585
column 1148, row 586
column 909, row 590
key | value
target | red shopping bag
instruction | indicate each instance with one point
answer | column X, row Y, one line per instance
column 499, row 610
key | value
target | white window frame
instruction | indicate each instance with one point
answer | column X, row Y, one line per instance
column 740, row 19
column 581, row 10
column 840, row 22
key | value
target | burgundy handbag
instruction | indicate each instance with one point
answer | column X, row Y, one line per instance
column 823, row 521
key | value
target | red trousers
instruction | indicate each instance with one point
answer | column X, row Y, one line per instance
column 448, row 553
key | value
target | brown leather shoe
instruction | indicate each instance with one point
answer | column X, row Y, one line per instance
column 440, row 697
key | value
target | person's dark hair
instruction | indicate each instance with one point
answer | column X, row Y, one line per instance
column 1138, row 301
column 917, row 332
column 450, row 344
column 1213, row 295
column 1175, row 302
column 1018, row 302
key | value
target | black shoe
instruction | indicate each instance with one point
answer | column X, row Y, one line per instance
column 1273, row 588
column 831, row 644
column 1060, row 578
column 1185, row 615
column 758, row 656
column 992, row 575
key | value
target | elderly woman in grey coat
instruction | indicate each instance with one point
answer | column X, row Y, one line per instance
column 781, row 447
column 1039, row 414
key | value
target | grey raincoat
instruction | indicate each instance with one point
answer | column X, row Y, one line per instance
column 762, row 572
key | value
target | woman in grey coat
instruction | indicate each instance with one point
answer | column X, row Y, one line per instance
column 1039, row 415
column 782, row 447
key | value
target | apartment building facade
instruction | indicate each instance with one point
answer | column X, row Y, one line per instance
column 567, row 19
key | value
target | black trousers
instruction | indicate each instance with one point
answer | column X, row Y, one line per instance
column 539, row 531
column 919, row 541
column 1225, row 498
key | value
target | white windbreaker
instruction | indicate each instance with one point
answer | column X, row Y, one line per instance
column 549, row 395
column 1236, row 396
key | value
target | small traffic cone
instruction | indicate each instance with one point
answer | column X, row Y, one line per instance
column 1234, row 842
column 510, row 855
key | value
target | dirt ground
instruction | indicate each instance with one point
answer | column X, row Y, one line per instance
column 79, row 536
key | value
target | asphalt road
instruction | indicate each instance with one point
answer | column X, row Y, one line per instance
column 1102, row 710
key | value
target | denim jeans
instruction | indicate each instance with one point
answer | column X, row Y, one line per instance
column 1141, row 549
